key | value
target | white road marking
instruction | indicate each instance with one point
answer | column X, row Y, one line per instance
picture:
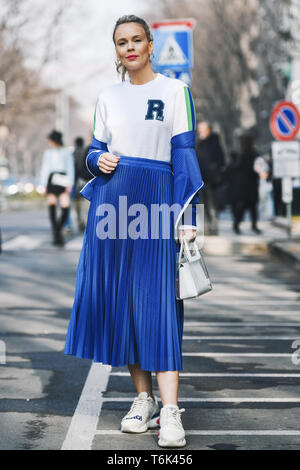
column 284, row 283
column 257, row 313
column 244, row 338
column 84, row 422
column 239, row 324
column 220, row 374
column 75, row 244
column 241, row 303
column 215, row 400
column 250, row 296
column 24, row 242
column 220, row 354
column 112, row 432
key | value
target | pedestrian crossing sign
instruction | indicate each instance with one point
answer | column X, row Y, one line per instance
column 173, row 45
column 171, row 53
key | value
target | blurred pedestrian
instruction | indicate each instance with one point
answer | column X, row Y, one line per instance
column 234, row 187
column 248, row 183
column 212, row 163
column 265, row 191
column 57, row 178
column 82, row 176
column 126, row 311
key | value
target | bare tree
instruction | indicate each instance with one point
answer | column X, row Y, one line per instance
column 239, row 49
column 30, row 104
column 22, row 81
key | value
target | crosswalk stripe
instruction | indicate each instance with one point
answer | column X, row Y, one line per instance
column 29, row 243
column 209, row 432
column 241, row 338
column 221, row 354
column 75, row 244
column 214, row 400
column 23, row 242
column 256, row 313
column 222, row 374
column 241, row 302
column 238, row 324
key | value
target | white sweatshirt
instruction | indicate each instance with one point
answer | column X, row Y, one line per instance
column 140, row 120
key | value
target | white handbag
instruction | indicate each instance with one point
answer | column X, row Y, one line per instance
column 60, row 179
column 192, row 278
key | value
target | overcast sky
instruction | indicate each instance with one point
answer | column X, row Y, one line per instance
column 86, row 53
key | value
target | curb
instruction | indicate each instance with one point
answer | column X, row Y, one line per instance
column 222, row 246
column 280, row 249
column 286, row 250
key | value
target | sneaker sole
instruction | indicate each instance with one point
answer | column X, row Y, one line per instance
column 178, row 443
column 153, row 423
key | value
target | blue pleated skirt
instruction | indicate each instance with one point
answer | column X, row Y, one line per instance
column 125, row 310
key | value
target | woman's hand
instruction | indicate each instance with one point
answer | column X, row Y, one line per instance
column 190, row 235
column 107, row 162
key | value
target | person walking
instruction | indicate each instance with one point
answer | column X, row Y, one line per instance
column 212, row 163
column 249, row 183
column 234, row 188
column 57, row 178
column 125, row 310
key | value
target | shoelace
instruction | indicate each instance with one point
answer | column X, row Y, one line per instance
column 174, row 416
column 139, row 406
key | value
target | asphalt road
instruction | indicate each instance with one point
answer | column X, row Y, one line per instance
column 240, row 385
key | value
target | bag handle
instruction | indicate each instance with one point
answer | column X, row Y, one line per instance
column 185, row 247
column 181, row 251
column 188, row 253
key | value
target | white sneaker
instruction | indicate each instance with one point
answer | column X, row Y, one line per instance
column 143, row 415
column 171, row 432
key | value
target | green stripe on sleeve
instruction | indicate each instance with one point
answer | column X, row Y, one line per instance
column 195, row 117
column 95, row 116
column 188, row 109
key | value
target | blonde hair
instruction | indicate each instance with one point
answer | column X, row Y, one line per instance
column 131, row 19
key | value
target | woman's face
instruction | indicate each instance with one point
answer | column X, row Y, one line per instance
column 132, row 46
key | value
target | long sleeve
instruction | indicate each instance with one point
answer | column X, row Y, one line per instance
column 99, row 142
column 70, row 168
column 44, row 174
column 187, row 174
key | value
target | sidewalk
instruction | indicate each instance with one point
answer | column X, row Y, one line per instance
column 273, row 240
column 288, row 250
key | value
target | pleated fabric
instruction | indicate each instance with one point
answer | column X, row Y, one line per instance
column 125, row 310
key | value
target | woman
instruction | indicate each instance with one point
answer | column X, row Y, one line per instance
column 125, row 310
column 57, row 178
column 248, row 183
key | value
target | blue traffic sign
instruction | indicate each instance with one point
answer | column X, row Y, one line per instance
column 181, row 75
column 285, row 121
column 173, row 45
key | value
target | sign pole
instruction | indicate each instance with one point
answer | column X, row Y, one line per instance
column 289, row 217
column 287, row 198
column 285, row 125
